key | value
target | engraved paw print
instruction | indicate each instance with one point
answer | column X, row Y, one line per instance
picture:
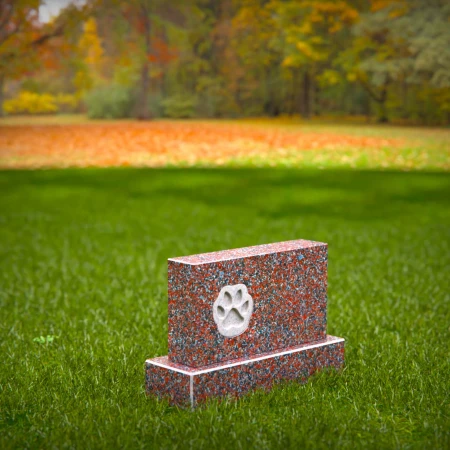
column 232, row 310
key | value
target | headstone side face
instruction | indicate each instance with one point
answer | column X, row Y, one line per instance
column 240, row 303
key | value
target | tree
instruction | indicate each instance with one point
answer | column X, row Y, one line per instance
column 400, row 42
column 22, row 35
column 262, row 85
column 426, row 29
column 146, row 20
column 307, row 35
column 90, row 65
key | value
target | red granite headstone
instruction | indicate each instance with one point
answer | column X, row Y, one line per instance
column 244, row 318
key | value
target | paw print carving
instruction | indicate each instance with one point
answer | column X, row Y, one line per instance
column 232, row 310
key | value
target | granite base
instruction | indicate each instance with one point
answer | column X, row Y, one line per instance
column 184, row 386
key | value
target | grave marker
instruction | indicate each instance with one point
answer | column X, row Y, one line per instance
column 244, row 318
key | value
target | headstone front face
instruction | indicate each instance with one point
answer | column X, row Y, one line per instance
column 244, row 318
column 287, row 283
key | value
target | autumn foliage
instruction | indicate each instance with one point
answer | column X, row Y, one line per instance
column 172, row 143
column 385, row 59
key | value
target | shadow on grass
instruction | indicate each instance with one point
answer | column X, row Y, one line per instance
column 355, row 195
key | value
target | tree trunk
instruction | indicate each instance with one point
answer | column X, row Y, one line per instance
column 367, row 107
column 382, row 102
column 293, row 97
column 143, row 106
column 306, row 98
column 143, row 109
column 271, row 106
column 2, row 94
column 379, row 98
column 316, row 100
column 405, row 99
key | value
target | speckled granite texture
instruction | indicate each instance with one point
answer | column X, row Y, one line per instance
column 184, row 386
column 287, row 282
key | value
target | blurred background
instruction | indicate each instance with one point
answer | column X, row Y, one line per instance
column 378, row 60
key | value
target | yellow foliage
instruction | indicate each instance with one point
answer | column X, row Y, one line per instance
column 442, row 97
column 91, row 51
column 329, row 78
column 289, row 61
column 31, row 103
column 90, row 43
column 306, row 28
column 308, row 51
column 316, row 40
column 68, row 100
column 377, row 5
column 82, row 81
column 336, row 13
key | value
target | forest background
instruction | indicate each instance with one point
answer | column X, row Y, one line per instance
column 381, row 59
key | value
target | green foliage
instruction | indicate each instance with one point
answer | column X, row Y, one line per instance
column 126, row 75
column 45, row 339
column 179, row 106
column 66, row 102
column 214, row 99
column 399, row 46
column 84, row 257
column 427, row 33
column 155, row 105
column 109, row 102
column 31, row 85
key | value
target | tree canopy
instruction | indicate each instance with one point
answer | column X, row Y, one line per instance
column 386, row 59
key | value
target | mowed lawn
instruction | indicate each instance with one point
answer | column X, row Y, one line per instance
column 83, row 261
column 74, row 141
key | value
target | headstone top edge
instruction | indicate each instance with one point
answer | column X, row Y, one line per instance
column 247, row 252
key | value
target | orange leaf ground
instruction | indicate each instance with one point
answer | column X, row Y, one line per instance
column 162, row 143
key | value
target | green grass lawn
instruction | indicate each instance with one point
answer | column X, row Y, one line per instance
column 83, row 259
